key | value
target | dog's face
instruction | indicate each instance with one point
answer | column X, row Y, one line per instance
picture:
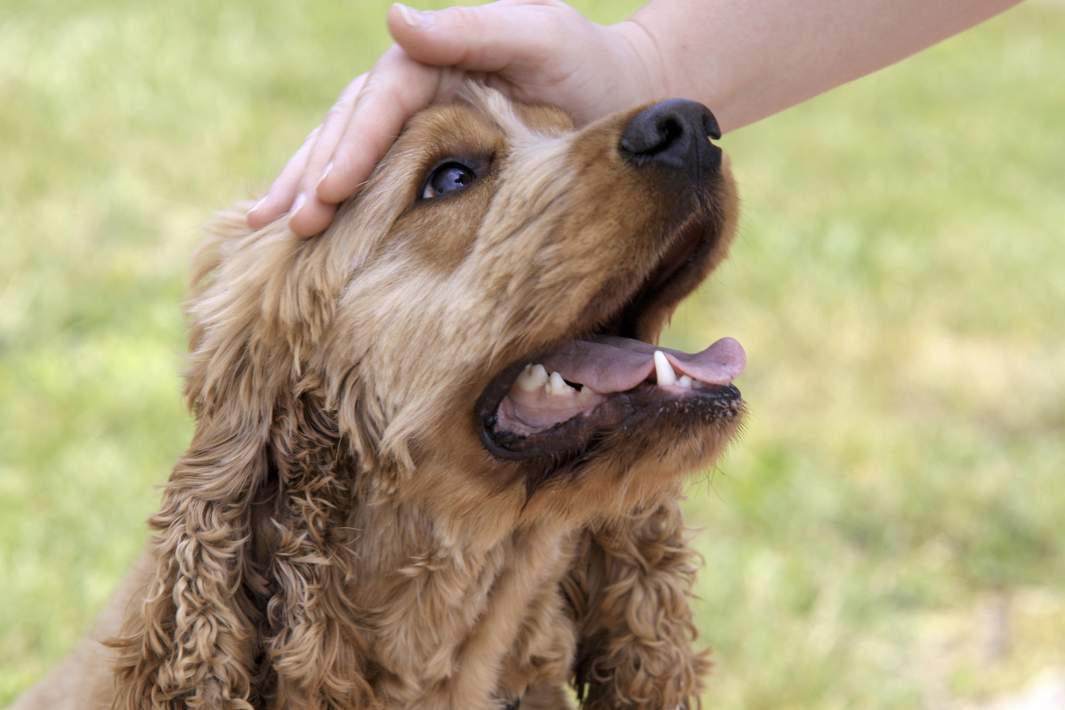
column 484, row 315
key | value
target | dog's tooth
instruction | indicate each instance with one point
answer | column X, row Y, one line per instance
column 663, row 370
column 556, row 385
column 685, row 381
column 532, row 378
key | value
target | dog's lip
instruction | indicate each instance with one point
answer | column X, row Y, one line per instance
column 578, row 437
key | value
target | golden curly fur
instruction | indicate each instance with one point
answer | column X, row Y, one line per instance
column 337, row 535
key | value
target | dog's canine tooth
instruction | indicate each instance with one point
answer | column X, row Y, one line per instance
column 557, row 386
column 685, row 382
column 663, row 370
column 532, row 378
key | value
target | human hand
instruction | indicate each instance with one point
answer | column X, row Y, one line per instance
column 535, row 51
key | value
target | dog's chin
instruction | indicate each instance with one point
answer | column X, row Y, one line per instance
column 609, row 390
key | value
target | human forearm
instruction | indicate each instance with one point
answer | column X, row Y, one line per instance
column 745, row 59
column 748, row 59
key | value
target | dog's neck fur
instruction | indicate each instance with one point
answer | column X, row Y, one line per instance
column 448, row 617
column 441, row 618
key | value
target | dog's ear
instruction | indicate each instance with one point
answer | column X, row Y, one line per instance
column 629, row 592
column 242, row 540
column 192, row 643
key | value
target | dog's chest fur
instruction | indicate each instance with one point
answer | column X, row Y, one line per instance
column 461, row 627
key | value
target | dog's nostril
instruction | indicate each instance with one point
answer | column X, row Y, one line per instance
column 669, row 130
column 674, row 133
column 649, row 135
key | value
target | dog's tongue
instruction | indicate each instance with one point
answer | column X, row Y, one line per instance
column 612, row 364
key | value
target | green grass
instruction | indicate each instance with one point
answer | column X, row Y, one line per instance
column 897, row 282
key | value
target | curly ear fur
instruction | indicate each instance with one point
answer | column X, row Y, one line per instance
column 196, row 611
column 314, row 646
column 629, row 591
column 243, row 542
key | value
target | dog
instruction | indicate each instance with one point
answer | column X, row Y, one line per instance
column 438, row 455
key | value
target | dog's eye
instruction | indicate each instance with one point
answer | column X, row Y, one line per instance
column 448, row 177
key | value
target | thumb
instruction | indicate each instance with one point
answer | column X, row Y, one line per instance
column 486, row 38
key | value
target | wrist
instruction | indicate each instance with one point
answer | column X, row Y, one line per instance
column 665, row 35
column 647, row 76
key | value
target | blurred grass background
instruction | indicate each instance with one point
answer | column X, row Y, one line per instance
column 888, row 532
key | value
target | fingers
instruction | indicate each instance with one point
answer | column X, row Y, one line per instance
column 283, row 190
column 486, row 38
column 395, row 90
column 289, row 192
column 309, row 215
column 410, row 76
column 337, row 159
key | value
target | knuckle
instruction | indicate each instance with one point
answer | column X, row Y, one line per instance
column 312, row 136
column 565, row 19
column 467, row 19
column 339, row 175
column 392, row 94
column 336, row 111
column 352, row 89
column 393, row 55
column 382, row 91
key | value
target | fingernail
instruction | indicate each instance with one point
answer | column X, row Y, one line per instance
column 297, row 205
column 414, row 18
column 257, row 205
column 325, row 174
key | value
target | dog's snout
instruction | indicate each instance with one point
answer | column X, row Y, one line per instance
column 675, row 134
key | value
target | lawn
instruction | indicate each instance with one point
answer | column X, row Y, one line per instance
column 888, row 533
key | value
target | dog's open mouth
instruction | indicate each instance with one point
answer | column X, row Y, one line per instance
column 563, row 401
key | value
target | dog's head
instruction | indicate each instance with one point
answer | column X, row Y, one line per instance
column 481, row 321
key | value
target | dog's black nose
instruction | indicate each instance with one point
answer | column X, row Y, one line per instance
column 674, row 133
